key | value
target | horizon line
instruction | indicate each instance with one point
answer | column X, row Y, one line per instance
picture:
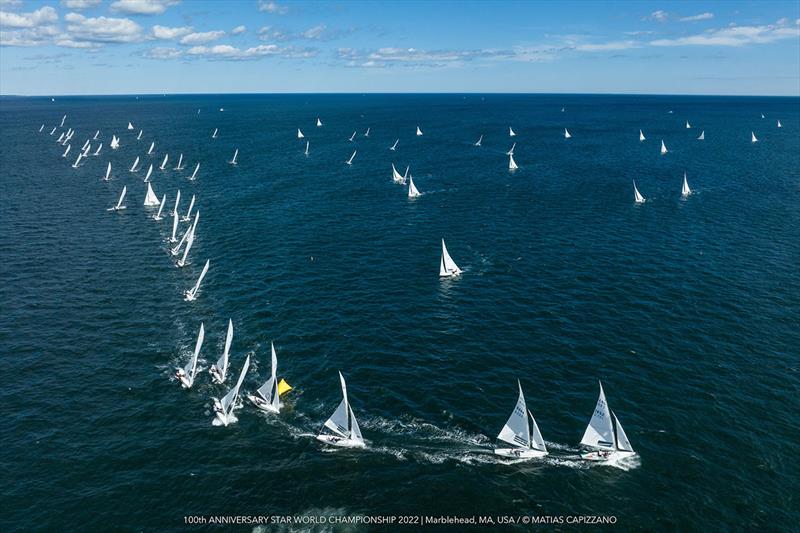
column 404, row 93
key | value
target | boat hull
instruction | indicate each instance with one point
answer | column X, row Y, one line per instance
column 341, row 442
column 261, row 404
column 601, row 456
column 519, row 453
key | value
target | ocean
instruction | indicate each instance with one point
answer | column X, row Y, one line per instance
column 687, row 309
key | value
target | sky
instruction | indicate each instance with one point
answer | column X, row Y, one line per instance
column 282, row 46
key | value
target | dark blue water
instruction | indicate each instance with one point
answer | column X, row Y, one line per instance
column 687, row 309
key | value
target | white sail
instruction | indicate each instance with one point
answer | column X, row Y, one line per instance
column 511, row 132
column 779, row 124
column 622, row 439
column 537, row 442
column 235, row 155
column 62, row 121
column 77, row 161
column 189, row 243
column 396, row 176
column 412, row 190
column 69, row 146
column 214, row 135
column 180, row 160
column 269, row 390
column 350, row 161
column 600, row 432
column 753, row 137
column 41, row 128
column 188, row 215
column 478, row 142
column 120, row 200
column 97, row 152
column 53, row 130
column 192, row 294
column 307, row 145
column 228, row 402
column 366, row 134
column 394, row 146
column 566, row 134
column 419, row 132
column 60, row 137
column 512, row 165
column 190, row 370
column 637, row 197
column 762, row 116
column 641, row 135
column 114, row 142
column 150, row 199
column 353, row 136
column 139, row 137
column 108, row 172
column 96, row 134
column 516, row 432
column 130, row 126
column 222, row 363
column 299, row 134
column 194, row 174
column 688, row 126
column 319, row 123
column 150, row 150
column 133, row 166
column 343, row 421
column 663, row 148
column 164, row 162
column 447, row 267
column 149, row 173
column 160, row 207
column 85, row 145
column 177, row 201
column 175, row 219
column 702, row 136
column 511, row 150
column 685, row 190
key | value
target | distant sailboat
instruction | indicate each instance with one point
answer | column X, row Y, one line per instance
column 604, row 436
column 150, row 150
column 641, row 135
column 267, row 397
column 319, row 123
column 97, row 152
column 366, row 134
column 119, row 206
column 224, row 409
column 566, row 134
column 762, row 116
column 342, row 427
column 108, row 172
column 447, row 267
column 69, row 147
column 96, row 134
column 151, row 200
column 350, row 161
column 114, row 142
column 753, row 137
column 60, row 137
column 77, row 161
column 191, row 294
column 187, row 374
column 130, row 126
column 219, row 370
column 396, row 176
column 688, row 126
column 412, row 190
column 663, row 148
column 478, row 142
column 511, row 150
column 157, row 216
column 53, row 130
column 779, row 124
column 512, row 165
column 307, row 145
column 194, row 174
column 235, row 155
column 511, row 132
column 299, row 134
column 353, row 136
column 178, row 166
column 685, row 190
column 394, row 146
column 189, row 242
column 62, row 121
column 139, row 136
column 702, row 136
column 525, row 438
column 214, row 135
column 419, row 132
column 175, row 220
column 164, row 162
column 85, row 145
column 637, row 197
column 188, row 215
column 41, row 128
column 149, row 173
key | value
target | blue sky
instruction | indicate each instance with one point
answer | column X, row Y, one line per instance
column 207, row 46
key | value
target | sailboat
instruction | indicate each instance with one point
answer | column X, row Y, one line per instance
column 69, row 146
column 447, row 267
column 191, row 294
column 130, row 126
column 182, row 263
column 97, row 152
column 150, row 150
column 175, row 220
column 353, row 136
column 219, row 370
column 663, row 147
column 41, row 128
column 164, row 162
column 224, row 408
column 96, row 134
column 139, row 137
column 157, row 216
column 342, row 427
column 702, row 136
column 62, row 121
column 685, row 190
column 512, row 165
column 194, row 174
column 641, row 135
column 762, row 116
column 187, row 374
column 299, row 134
column 53, row 130
column 688, row 126
column 779, row 124
column 478, row 142
column 511, row 132
column 511, row 150
column 566, row 134
column 307, row 145
column 525, row 438
column 77, row 161
column 150, row 200
column 85, row 145
column 412, row 190
column 180, row 160
column 108, row 172
column 350, row 161
column 188, row 215
column 60, row 137
column 114, row 142
column 119, row 206
column 419, row 132
column 753, row 137
column 235, row 155
column 319, row 123
column 366, row 134
column 394, row 146
column 149, row 173
column 214, row 135
column 267, row 397
column 637, row 197
column 396, row 176
column 605, row 438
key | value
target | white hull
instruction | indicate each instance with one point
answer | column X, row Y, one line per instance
column 606, row 456
column 519, row 453
column 259, row 402
column 189, row 297
column 222, row 420
column 453, row 274
column 335, row 440
column 215, row 377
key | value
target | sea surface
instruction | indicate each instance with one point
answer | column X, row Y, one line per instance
column 687, row 309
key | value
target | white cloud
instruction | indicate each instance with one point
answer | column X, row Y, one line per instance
column 734, row 36
column 203, row 37
column 164, row 32
column 10, row 4
column 268, row 33
column 238, row 29
column 228, row 52
column 102, row 29
column 315, row 33
column 80, row 4
column 272, row 7
column 602, row 47
column 660, row 16
column 162, row 53
column 701, row 16
column 44, row 15
column 142, row 7
column 28, row 36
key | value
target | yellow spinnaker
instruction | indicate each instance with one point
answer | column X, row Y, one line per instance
column 283, row 387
